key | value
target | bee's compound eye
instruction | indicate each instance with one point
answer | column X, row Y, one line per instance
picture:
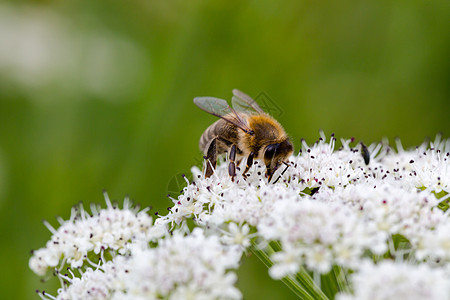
column 270, row 151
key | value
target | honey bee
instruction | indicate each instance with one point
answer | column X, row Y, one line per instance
column 244, row 130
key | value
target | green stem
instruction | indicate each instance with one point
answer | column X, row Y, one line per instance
column 339, row 274
column 304, row 279
column 302, row 285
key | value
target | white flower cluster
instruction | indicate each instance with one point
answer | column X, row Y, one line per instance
column 106, row 229
column 318, row 235
column 360, row 209
column 138, row 260
column 101, row 283
column 333, row 207
column 181, row 267
column 390, row 210
column 390, row 280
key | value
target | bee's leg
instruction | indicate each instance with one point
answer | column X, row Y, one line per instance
column 232, row 164
column 211, row 158
column 270, row 172
column 249, row 163
column 365, row 153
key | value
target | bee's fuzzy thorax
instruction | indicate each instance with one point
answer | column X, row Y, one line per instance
column 266, row 127
column 266, row 131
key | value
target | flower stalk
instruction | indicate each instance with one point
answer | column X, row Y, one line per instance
column 302, row 284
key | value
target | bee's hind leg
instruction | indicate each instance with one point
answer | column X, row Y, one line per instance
column 211, row 158
column 232, row 164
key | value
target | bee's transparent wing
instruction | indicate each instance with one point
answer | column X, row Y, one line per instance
column 220, row 108
column 244, row 103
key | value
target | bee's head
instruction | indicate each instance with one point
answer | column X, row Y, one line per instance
column 275, row 155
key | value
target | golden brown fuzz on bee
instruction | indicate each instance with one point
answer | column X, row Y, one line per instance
column 267, row 131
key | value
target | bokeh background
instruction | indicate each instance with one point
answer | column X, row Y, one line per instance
column 98, row 95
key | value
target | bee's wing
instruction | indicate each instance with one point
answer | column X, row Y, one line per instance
column 220, row 108
column 244, row 103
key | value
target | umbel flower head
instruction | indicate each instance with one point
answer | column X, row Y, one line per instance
column 111, row 229
column 342, row 216
column 390, row 280
column 138, row 260
column 181, row 267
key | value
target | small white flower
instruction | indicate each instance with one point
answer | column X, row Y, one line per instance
column 285, row 262
column 237, row 235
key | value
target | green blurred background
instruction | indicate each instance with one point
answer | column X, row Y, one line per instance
column 98, row 95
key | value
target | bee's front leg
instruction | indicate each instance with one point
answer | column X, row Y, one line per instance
column 249, row 163
column 211, row 158
column 232, row 164
column 270, row 171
